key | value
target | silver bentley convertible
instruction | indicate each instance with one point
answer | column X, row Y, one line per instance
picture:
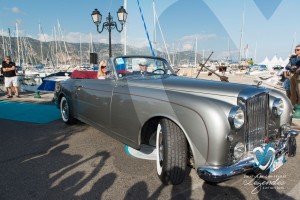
column 221, row 129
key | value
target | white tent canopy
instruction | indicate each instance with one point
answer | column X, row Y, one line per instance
column 274, row 61
column 265, row 61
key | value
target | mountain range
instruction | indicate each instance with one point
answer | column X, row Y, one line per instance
column 34, row 52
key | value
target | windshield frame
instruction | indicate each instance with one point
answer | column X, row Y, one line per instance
column 166, row 64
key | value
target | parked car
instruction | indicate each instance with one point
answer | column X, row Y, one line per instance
column 218, row 128
column 257, row 68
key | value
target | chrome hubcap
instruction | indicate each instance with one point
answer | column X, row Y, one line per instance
column 64, row 109
column 159, row 149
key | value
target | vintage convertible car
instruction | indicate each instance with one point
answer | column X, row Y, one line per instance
column 221, row 129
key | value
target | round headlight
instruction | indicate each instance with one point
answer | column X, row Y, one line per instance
column 238, row 150
column 236, row 117
column 278, row 107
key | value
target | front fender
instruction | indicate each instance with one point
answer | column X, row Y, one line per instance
column 214, row 114
column 210, row 129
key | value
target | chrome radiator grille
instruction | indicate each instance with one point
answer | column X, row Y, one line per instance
column 257, row 120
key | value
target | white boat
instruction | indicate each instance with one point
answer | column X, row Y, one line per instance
column 46, row 84
column 260, row 71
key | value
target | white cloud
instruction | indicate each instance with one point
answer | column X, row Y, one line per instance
column 187, row 43
column 4, row 33
column 74, row 37
column 137, row 42
column 15, row 10
column 200, row 37
column 187, row 47
column 44, row 37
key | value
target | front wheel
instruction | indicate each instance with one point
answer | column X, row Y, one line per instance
column 171, row 156
column 65, row 111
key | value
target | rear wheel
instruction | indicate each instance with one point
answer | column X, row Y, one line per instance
column 65, row 111
column 171, row 156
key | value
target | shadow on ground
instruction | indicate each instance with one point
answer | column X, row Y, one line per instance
column 56, row 161
column 35, row 166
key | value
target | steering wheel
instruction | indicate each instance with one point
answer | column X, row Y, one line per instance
column 158, row 69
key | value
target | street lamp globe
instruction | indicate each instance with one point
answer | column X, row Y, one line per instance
column 122, row 15
column 97, row 17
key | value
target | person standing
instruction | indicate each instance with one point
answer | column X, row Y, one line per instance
column 286, row 82
column 294, row 67
column 10, row 77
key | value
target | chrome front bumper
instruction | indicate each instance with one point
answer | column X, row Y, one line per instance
column 220, row 174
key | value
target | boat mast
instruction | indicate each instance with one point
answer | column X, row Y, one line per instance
column 42, row 57
column 125, row 30
column 80, row 49
column 254, row 59
column 196, row 46
column 228, row 50
column 56, row 49
column 173, row 54
column 293, row 44
column 10, row 48
column 242, row 34
column 154, row 25
column 18, row 47
column 64, row 43
column 162, row 35
column 91, row 43
column 23, row 50
column 3, row 44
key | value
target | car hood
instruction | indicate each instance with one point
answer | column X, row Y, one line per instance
column 191, row 85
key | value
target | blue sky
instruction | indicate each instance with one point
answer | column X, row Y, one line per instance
column 270, row 26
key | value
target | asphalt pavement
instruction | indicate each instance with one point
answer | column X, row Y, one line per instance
column 57, row 161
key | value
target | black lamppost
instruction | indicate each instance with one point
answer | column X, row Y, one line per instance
column 109, row 24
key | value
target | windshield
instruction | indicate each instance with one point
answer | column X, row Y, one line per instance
column 142, row 67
